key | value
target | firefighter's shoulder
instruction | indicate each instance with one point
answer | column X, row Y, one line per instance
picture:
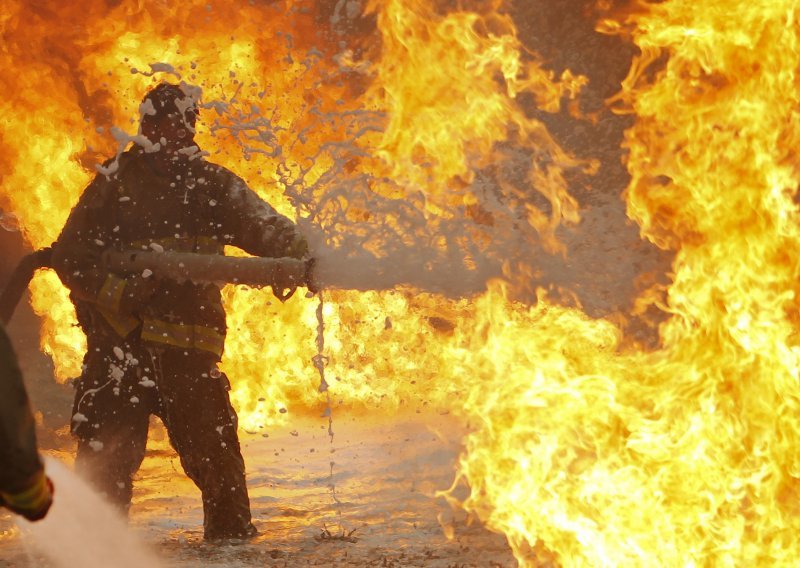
column 113, row 167
column 217, row 177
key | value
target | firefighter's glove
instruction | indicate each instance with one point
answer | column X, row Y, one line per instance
column 285, row 282
column 32, row 502
column 286, row 240
column 297, row 247
column 280, row 236
column 137, row 293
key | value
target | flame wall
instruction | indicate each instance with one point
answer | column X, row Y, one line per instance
column 686, row 455
column 408, row 139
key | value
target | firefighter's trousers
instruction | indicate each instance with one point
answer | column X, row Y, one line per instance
column 125, row 382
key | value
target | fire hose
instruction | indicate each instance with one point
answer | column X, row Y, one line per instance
column 284, row 274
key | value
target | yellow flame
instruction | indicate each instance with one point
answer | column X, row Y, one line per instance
column 449, row 85
column 688, row 455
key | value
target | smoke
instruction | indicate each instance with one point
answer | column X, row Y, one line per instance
column 83, row 530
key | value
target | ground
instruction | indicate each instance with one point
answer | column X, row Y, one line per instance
column 385, row 511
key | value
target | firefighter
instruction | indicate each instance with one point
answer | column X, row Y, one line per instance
column 153, row 345
column 24, row 487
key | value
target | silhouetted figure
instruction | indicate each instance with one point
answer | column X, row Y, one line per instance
column 154, row 345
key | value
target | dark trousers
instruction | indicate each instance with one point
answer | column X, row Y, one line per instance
column 124, row 383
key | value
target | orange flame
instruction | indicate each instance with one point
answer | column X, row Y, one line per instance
column 687, row 455
column 600, row 454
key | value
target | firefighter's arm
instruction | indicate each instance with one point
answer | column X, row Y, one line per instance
column 77, row 255
column 258, row 229
column 24, row 488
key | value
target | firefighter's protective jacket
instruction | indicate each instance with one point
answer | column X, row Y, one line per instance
column 196, row 207
column 19, row 459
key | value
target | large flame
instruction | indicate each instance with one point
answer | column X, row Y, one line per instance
column 687, row 455
column 401, row 129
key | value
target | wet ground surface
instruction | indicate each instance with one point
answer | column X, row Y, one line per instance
column 384, row 512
